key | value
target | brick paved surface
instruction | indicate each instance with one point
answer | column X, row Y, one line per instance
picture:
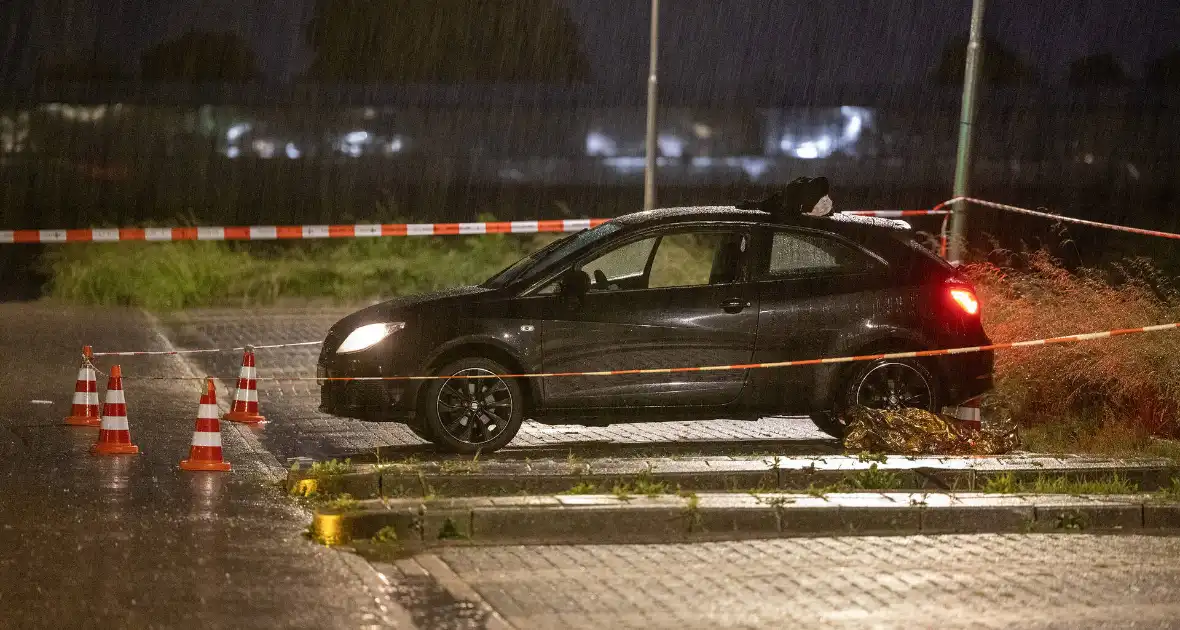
column 297, row 429
column 1013, row 581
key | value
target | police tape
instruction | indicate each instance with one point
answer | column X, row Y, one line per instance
column 916, row 354
column 304, row 232
column 1057, row 217
column 292, row 232
column 163, row 353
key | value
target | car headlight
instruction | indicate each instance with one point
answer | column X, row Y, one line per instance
column 368, row 336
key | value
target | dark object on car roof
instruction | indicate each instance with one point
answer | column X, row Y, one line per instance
column 805, row 195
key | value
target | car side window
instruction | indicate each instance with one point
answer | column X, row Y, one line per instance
column 620, row 267
column 679, row 259
column 798, row 253
column 691, row 259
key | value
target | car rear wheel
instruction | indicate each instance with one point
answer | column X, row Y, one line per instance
column 883, row 384
column 474, row 409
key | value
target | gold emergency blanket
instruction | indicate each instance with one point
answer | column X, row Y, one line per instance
column 920, row 432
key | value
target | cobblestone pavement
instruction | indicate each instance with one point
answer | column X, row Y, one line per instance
column 1012, row 581
column 298, row 429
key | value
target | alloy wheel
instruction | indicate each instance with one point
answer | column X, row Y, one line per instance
column 895, row 386
column 474, row 410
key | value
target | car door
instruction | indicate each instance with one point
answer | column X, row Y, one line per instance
column 812, row 287
column 677, row 297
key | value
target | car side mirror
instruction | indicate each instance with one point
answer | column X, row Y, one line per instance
column 574, row 285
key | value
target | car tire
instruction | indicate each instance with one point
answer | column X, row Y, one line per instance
column 914, row 385
column 472, row 415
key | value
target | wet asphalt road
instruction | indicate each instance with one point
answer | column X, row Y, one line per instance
column 131, row 541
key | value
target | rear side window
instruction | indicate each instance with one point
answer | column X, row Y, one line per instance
column 798, row 253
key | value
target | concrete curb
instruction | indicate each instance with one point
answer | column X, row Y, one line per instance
column 589, row 519
column 727, row 474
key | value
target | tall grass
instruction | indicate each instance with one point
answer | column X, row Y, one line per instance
column 1128, row 385
column 166, row 276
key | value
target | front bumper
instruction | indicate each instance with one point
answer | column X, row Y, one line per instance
column 364, row 400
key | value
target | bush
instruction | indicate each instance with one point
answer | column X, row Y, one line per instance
column 164, row 276
column 1131, row 382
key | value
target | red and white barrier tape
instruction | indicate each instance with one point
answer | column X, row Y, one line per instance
column 718, row 368
column 305, row 232
column 1056, row 217
column 293, row 232
column 164, row 353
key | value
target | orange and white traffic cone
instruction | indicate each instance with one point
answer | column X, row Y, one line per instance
column 205, row 453
column 114, row 436
column 245, row 407
column 85, row 409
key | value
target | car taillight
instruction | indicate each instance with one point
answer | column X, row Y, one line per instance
column 966, row 300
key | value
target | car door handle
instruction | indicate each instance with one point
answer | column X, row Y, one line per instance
column 734, row 305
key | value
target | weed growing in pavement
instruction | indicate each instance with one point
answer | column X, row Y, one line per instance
column 1172, row 492
column 622, row 492
column 865, row 457
column 1044, row 484
column 692, row 513
column 577, row 465
column 649, row 487
column 1001, row 484
column 873, row 479
column 341, row 503
column 1063, row 485
column 386, row 535
column 460, row 466
column 822, row 492
column 582, row 488
column 331, row 468
column 776, row 501
column 427, row 490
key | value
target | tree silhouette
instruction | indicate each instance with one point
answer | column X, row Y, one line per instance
column 430, row 41
column 1000, row 65
column 1165, row 71
column 1095, row 70
column 200, row 57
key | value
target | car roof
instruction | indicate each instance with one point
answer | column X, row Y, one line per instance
column 834, row 222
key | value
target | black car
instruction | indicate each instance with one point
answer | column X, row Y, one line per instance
column 678, row 287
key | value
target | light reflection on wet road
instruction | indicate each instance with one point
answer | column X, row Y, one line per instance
column 131, row 541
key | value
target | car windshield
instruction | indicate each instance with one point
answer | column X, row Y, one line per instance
column 550, row 255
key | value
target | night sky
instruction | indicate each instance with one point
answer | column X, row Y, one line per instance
column 705, row 41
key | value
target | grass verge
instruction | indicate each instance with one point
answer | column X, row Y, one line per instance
column 170, row 276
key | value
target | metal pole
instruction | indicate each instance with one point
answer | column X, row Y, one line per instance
column 649, row 174
column 966, row 124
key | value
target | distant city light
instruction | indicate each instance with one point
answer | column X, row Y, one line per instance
column 357, row 137
column 671, row 146
column 232, row 152
column 599, row 145
column 237, row 131
column 265, row 148
column 293, row 151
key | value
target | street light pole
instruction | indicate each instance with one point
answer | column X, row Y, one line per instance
column 649, row 174
column 966, row 124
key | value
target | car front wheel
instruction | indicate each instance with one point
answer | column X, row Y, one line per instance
column 883, row 384
column 472, row 408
